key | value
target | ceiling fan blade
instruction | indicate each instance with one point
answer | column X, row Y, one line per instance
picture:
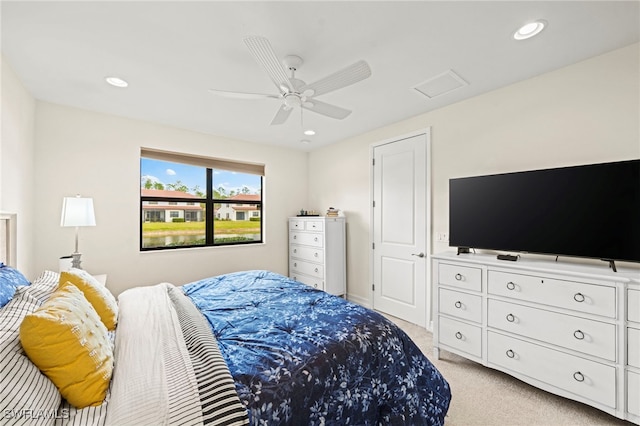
column 345, row 77
column 242, row 95
column 326, row 109
column 281, row 116
column 262, row 51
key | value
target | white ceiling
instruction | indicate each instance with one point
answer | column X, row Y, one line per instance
column 172, row 52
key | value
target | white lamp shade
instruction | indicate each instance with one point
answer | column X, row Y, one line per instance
column 77, row 211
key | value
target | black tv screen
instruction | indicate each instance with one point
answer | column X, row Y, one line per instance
column 585, row 211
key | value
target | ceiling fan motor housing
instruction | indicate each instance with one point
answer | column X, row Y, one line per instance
column 292, row 62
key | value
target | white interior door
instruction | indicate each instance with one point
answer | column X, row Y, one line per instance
column 400, row 229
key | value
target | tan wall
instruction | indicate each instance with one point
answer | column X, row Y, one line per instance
column 98, row 155
column 584, row 113
column 17, row 172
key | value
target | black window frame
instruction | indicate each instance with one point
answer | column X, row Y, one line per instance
column 209, row 201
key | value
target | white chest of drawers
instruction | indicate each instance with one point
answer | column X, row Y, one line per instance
column 570, row 329
column 317, row 253
column 633, row 352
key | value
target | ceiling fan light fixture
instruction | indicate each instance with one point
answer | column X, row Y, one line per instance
column 292, row 100
column 529, row 30
column 116, row 81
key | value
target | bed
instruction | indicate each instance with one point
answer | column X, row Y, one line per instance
column 251, row 347
column 299, row 355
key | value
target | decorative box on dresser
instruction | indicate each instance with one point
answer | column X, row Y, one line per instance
column 569, row 328
column 317, row 253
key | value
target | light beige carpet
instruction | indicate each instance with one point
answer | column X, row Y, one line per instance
column 482, row 396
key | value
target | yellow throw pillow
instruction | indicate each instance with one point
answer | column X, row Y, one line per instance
column 98, row 295
column 67, row 341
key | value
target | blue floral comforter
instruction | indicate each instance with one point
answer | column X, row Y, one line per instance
column 300, row 356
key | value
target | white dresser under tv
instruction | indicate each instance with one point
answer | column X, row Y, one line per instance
column 570, row 328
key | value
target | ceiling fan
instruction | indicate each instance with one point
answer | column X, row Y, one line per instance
column 293, row 92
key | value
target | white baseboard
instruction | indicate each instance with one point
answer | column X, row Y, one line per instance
column 359, row 300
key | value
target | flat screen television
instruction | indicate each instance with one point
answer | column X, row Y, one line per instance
column 588, row 211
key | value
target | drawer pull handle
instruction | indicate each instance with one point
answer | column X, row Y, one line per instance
column 295, row 237
column 458, row 277
column 510, row 353
column 315, row 239
column 579, row 297
column 458, row 304
column 295, row 250
column 578, row 376
column 315, row 254
column 578, row 334
column 458, row 335
column 316, row 269
column 511, row 318
column 295, row 264
column 511, row 286
column 315, row 286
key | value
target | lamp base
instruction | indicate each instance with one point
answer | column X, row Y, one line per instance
column 75, row 263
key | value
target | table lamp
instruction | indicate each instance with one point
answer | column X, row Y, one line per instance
column 77, row 211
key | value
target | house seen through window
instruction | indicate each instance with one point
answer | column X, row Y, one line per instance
column 190, row 201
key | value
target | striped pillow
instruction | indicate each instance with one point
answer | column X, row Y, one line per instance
column 44, row 286
column 26, row 395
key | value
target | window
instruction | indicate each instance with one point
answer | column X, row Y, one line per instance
column 191, row 201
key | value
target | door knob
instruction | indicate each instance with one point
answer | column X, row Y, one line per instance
column 418, row 254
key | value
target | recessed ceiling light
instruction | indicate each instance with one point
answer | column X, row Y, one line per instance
column 116, row 81
column 309, row 132
column 305, row 141
column 529, row 30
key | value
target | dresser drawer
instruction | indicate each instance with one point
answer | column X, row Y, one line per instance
column 314, row 225
column 307, row 253
column 581, row 297
column 633, row 347
column 590, row 337
column 306, row 238
column 633, row 393
column 296, row 224
column 304, row 279
column 466, row 277
column 579, row 376
column 307, row 268
column 461, row 305
column 461, row 336
column 633, row 305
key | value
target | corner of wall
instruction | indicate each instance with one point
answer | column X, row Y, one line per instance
column 17, row 146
